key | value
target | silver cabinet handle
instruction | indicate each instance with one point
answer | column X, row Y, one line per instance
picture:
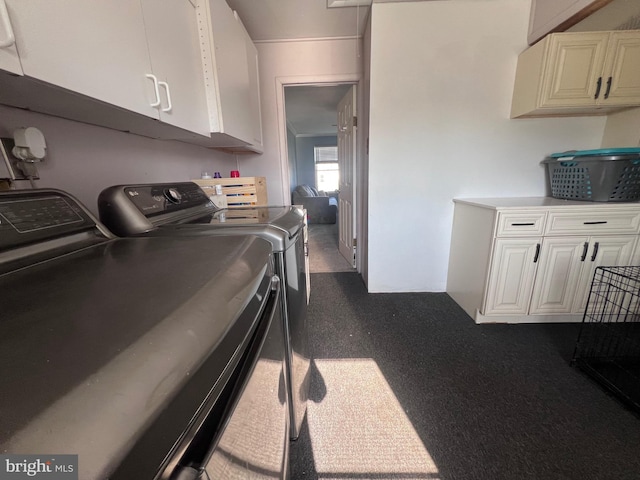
column 6, row 23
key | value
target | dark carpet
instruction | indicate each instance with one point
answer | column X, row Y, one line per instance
column 406, row 386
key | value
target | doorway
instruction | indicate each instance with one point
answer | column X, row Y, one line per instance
column 313, row 130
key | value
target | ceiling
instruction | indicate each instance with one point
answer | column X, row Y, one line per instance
column 313, row 110
column 296, row 19
column 310, row 110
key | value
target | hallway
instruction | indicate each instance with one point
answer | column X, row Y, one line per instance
column 324, row 256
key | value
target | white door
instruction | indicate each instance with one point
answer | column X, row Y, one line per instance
column 346, row 161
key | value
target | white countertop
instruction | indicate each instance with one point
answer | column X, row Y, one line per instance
column 537, row 202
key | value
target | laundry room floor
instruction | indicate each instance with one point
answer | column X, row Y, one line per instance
column 406, row 386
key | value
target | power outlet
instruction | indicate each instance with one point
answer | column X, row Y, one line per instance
column 12, row 163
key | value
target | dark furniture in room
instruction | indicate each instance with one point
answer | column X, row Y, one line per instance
column 319, row 206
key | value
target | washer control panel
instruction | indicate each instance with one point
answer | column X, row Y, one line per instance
column 34, row 216
column 157, row 199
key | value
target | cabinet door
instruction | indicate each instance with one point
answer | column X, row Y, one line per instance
column 171, row 30
column 574, row 65
column 232, row 71
column 622, row 70
column 9, row 60
column 97, row 49
column 561, row 261
column 603, row 251
column 511, row 276
column 254, row 91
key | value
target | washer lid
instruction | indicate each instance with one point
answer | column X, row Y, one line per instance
column 99, row 346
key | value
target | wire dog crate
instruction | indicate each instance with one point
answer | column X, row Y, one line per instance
column 608, row 347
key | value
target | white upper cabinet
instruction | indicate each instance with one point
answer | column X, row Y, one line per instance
column 231, row 77
column 172, row 34
column 98, row 49
column 9, row 60
column 547, row 15
column 578, row 73
column 140, row 56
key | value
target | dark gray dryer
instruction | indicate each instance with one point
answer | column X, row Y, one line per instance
column 147, row 357
column 183, row 209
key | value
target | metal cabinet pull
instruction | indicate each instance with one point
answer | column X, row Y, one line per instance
column 606, row 94
column 584, row 252
column 599, row 222
column 595, row 252
column 537, row 255
column 598, row 87
column 169, row 106
column 6, row 23
column 522, row 224
column 155, row 89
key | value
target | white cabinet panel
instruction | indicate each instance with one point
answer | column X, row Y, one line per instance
column 520, row 224
column 254, row 91
column 98, row 49
column 9, row 60
column 574, row 69
column 172, row 35
column 511, row 276
column 231, row 77
column 612, row 220
column 603, row 251
column 622, row 82
column 558, row 274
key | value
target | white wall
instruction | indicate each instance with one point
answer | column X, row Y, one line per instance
column 442, row 77
column 302, row 62
column 622, row 129
column 84, row 159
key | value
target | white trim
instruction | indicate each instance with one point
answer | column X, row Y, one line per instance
column 309, row 39
column 348, row 3
column 293, row 130
column 560, row 318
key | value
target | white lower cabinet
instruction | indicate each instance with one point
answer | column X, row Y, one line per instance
column 535, row 278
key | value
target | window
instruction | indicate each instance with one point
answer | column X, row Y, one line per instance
column 327, row 169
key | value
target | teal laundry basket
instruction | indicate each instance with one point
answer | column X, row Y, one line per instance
column 605, row 175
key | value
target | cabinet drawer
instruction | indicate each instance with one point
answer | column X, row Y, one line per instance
column 590, row 222
column 520, row 224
